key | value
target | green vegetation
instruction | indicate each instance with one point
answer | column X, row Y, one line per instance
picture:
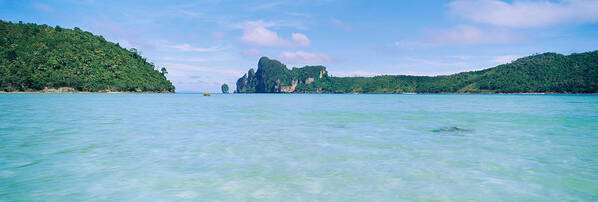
column 34, row 57
column 543, row 73
column 224, row 88
column 273, row 76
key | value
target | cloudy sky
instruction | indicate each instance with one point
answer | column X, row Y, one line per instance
column 206, row 43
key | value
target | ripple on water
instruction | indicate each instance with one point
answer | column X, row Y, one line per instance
column 298, row 147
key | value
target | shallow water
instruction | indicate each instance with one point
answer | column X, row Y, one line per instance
column 140, row 147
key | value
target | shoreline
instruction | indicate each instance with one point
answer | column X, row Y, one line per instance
column 163, row 92
column 78, row 92
column 550, row 93
column 62, row 90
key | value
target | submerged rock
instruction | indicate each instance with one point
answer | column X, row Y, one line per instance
column 451, row 129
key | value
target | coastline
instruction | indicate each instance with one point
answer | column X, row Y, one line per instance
column 79, row 92
column 147, row 92
column 69, row 90
column 443, row 93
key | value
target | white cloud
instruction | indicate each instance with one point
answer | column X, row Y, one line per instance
column 187, row 47
column 302, row 57
column 526, row 13
column 504, row 59
column 263, row 37
column 469, row 35
column 300, row 40
column 256, row 33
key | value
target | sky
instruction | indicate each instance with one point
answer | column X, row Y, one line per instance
column 206, row 43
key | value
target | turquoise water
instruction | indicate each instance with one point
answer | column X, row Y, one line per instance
column 169, row 147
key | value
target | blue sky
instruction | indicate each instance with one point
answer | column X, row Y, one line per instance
column 206, row 43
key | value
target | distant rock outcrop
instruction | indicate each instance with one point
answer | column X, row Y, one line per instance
column 274, row 77
column 224, row 88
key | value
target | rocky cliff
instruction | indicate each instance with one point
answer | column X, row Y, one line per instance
column 274, row 77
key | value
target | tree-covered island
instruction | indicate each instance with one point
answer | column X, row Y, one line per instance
column 39, row 57
column 542, row 73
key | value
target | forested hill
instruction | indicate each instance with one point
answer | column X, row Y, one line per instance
column 543, row 73
column 36, row 57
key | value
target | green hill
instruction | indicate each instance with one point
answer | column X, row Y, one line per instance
column 543, row 73
column 274, row 77
column 36, row 57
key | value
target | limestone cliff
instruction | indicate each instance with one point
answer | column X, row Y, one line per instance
column 274, row 77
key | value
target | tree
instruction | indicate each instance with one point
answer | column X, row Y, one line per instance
column 164, row 71
column 224, row 88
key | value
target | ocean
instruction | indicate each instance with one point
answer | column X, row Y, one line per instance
column 298, row 147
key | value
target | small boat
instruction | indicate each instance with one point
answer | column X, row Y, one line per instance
column 206, row 94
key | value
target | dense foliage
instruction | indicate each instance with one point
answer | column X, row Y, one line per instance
column 543, row 73
column 272, row 76
column 34, row 57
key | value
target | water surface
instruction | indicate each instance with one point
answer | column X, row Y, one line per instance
column 113, row 147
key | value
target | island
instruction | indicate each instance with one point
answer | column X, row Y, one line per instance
column 224, row 88
column 40, row 58
column 540, row 73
